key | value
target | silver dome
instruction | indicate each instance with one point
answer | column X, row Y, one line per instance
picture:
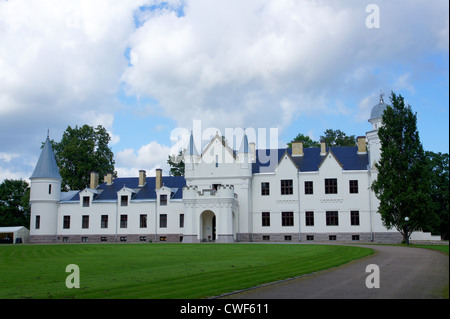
column 377, row 110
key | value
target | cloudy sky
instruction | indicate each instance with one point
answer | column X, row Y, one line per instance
column 147, row 69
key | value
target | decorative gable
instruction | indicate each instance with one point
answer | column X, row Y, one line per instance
column 87, row 196
column 286, row 165
column 217, row 151
column 330, row 162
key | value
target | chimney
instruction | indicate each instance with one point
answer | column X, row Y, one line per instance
column 158, row 178
column 94, row 180
column 362, row 147
column 323, row 148
column 297, row 148
column 109, row 178
column 253, row 150
column 142, row 177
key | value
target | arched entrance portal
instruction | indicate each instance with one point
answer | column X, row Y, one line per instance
column 208, row 226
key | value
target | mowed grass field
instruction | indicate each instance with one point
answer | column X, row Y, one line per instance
column 162, row 271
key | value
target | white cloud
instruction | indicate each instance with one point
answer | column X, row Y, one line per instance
column 231, row 63
column 59, row 62
column 149, row 157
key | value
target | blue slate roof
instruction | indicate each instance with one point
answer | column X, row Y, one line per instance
column 267, row 160
column 46, row 166
column 146, row 192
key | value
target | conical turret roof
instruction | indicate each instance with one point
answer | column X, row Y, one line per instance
column 46, row 166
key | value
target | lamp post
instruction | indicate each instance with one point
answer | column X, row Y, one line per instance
column 407, row 236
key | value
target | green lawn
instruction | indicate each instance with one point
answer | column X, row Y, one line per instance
column 159, row 270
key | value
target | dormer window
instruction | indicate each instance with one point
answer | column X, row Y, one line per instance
column 86, row 200
column 124, row 200
column 163, row 200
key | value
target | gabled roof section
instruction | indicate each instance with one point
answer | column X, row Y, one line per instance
column 289, row 156
column 46, row 166
column 224, row 144
column 330, row 152
column 348, row 157
column 146, row 192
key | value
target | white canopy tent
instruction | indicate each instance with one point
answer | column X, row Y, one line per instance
column 14, row 234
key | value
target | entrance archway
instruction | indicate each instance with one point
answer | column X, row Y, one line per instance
column 208, row 226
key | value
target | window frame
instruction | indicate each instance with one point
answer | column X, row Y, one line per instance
column 332, row 218
column 287, row 187
column 265, row 219
column 353, row 186
column 265, row 189
column 287, row 219
column 309, row 188
column 309, row 218
column 354, row 218
column 331, row 185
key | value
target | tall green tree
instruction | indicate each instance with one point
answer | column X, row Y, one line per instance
column 176, row 164
column 81, row 151
column 438, row 166
column 14, row 203
column 337, row 138
column 331, row 137
column 307, row 141
column 403, row 183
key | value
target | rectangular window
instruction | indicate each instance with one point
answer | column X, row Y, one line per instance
column 163, row 221
column 123, row 238
column 354, row 218
column 286, row 187
column 143, row 221
column 266, row 237
column 66, row 222
column 143, row 238
column 49, row 188
column 104, row 221
column 309, row 188
column 332, row 237
column 332, row 218
column 355, row 237
column 309, row 216
column 103, row 239
column 37, row 223
column 162, row 238
column 124, row 200
column 265, row 189
column 163, row 200
column 85, row 221
column 287, row 238
column 181, row 220
column 217, row 160
column 85, row 201
column 309, row 237
column 265, row 218
column 123, row 221
column 287, row 219
column 84, row 239
column 331, row 186
column 353, row 187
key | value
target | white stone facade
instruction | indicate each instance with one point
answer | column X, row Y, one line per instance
column 307, row 195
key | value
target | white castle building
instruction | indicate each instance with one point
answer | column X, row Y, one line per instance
column 226, row 195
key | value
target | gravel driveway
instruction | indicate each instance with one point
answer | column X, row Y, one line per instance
column 404, row 273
